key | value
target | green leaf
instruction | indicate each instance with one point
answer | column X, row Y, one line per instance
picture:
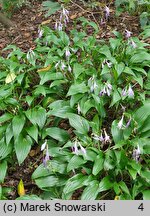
column 116, row 132
column 77, row 70
column 9, row 133
column 90, row 155
column 4, row 149
column 3, row 169
column 145, row 174
column 119, row 67
column 79, row 123
column 28, row 197
column 91, row 191
column 5, row 117
column 58, row 134
column 51, row 7
column 77, row 88
column 140, row 57
column 48, row 76
column 116, row 97
column 132, row 172
column 146, row 195
column 46, row 182
column 105, row 184
column 61, row 112
column 142, row 114
column 22, row 147
column 74, row 183
column 33, row 132
column 75, row 162
column 114, row 43
column 41, row 172
column 18, row 124
column 37, row 116
column 124, row 187
column 98, row 164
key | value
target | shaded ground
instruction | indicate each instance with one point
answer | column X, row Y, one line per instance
column 28, row 19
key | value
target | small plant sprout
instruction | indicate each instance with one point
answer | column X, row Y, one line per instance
column 136, row 154
column 107, row 12
column 130, row 92
column 120, row 123
column 127, row 34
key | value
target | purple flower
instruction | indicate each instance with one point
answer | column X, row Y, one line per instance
column 107, row 12
column 63, row 66
column 133, row 44
column 76, row 151
column 106, row 90
column 79, row 109
column 56, row 65
column 82, row 149
column 67, row 53
column 124, row 92
column 120, row 123
column 130, row 92
column 128, row 123
column 127, row 34
column 43, row 146
column 60, row 26
column 40, row 33
column 136, row 154
column 69, row 68
column 106, row 138
column 47, row 156
column 102, row 22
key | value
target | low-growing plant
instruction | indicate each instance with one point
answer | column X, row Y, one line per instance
column 9, row 6
column 139, row 7
column 86, row 103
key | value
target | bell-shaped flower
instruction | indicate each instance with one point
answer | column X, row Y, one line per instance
column 120, row 123
column 127, row 34
column 107, row 12
column 130, row 92
column 106, row 137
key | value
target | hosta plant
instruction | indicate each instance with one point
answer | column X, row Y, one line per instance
column 86, row 103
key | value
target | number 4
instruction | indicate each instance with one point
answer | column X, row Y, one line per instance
column 141, row 207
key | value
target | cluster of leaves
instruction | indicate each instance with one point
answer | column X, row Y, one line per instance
column 141, row 7
column 9, row 6
column 62, row 82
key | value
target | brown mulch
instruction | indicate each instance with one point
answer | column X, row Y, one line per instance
column 28, row 19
